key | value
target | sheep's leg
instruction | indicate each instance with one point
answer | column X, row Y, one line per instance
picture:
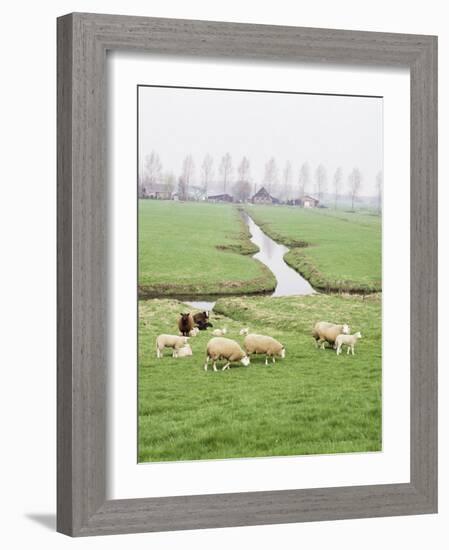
column 349, row 349
column 226, row 366
column 266, row 359
column 323, row 344
column 206, row 364
column 215, row 367
column 274, row 360
column 352, row 349
column 338, row 350
column 158, row 353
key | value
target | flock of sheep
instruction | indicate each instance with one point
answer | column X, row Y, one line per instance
column 221, row 348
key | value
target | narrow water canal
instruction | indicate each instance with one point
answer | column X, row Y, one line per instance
column 271, row 253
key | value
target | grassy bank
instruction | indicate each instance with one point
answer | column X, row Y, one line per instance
column 311, row 402
column 334, row 250
column 196, row 248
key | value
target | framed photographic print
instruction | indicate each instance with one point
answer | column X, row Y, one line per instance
column 246, row 274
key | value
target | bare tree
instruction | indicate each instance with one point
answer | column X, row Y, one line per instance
column 320, row 181
column 338, row 182
column 169, row 182
column 243, row 170
column 271, row 177
column 207, row 172
column 242, row 187
column 242, row 190
column 188, row 169
column 355, row 183
column 226, row 170
column 379, row 188
column 152, row 173
column 304, row 179
column 287, row 181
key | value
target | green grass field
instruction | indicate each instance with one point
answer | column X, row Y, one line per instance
column 311, row 402
column 334, row 250
column 196, row 248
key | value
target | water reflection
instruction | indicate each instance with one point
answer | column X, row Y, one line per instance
column 289, row 282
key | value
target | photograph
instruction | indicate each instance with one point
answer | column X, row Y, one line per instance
column 259, row 273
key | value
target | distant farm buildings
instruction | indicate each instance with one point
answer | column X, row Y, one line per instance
column 263, row 197
column 223, row 197
column 158, row 191
column 307, row 202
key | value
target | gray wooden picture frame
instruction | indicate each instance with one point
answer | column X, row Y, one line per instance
column 83, row 40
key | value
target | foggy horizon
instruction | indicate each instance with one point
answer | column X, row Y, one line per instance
column 334, row 131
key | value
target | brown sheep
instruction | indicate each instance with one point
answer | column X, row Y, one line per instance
column 185, row 323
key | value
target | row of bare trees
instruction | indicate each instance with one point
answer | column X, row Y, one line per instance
column 282, row 185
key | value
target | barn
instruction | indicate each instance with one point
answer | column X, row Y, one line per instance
column 224, row 197
column 263, row 197
column 307, row 201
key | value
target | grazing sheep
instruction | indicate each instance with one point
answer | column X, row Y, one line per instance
column 185, row 323
column 349, row 340
column 327, row 332
column 244, row 331
column 185, row 351
column 201, row 317
column 220, row 331
column 194, row 331
column 169, row 341
column 257, row 343
column 225, row 348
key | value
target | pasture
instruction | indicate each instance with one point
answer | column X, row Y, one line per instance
column 333, row 249
column 311, row 402
column 196, row 248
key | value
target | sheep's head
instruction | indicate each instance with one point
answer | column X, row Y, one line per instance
column 185, row 316
column 345, row 329
column 245, row 361
column 358, row 335
column 282, row 353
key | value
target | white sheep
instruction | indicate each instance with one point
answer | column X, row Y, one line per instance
column 194, row 331
column 185, row 351
column 220, row 331
column 244, row 331
column 225, row 348
column 257, row 343
column 170, row 341
column 327, row 332
column 349, row 340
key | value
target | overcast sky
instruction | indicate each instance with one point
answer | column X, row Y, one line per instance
column 332, row 130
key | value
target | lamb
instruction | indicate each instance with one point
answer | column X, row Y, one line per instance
column 327, row 332
column 169, row 341
column 257, row 343
column 220, row 331
column 203, row 325
column 349, row 340
column 194, row 331
column 185, row 323
column 244, row 331
column 185, row 351
column 225, row 348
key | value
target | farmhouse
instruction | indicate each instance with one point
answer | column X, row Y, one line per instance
column 307, row 201
column 224, row 197
column 263, row 197
column 158, row 191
